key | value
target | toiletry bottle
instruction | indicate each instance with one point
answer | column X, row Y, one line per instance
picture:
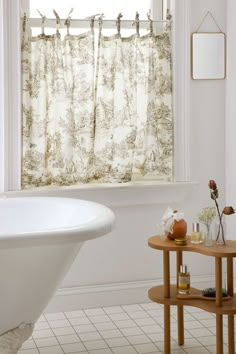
column 196, row 236
column 183, row 280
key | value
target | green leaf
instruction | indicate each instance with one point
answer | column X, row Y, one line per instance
column 213, row 195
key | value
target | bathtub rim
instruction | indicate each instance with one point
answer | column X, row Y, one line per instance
column 99, row 226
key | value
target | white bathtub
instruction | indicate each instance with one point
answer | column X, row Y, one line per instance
column 39, row 239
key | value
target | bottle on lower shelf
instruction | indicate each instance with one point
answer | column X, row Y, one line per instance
column 183, row 280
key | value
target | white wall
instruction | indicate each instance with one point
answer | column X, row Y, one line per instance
column 123, row 256
column 231, row 114
column 208, row 107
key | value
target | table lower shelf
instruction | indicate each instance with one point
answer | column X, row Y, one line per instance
column 156, row 294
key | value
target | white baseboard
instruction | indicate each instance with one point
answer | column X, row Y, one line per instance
column 75, row 298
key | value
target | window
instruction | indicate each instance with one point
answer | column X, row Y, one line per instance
column 10, row 100
column 157, row 8
column 87, row 124
column 91, row 7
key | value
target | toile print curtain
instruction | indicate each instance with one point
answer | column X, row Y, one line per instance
column 58, row 109
column 81, row 125
column 133, row 136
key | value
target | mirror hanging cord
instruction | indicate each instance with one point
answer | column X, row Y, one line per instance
column 209, row 13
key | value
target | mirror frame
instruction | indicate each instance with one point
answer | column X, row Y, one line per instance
column 224, row 56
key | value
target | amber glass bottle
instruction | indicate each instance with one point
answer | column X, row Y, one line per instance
column 183, row 280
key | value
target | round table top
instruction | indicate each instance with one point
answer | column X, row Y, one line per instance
column 164, row 244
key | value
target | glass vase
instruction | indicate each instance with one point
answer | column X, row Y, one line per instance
column 220, row 232
column 161, row 231
column 208, row 239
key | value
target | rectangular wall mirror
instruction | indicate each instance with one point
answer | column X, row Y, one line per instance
column 208, row 56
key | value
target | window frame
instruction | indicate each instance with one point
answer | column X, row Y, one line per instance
column 10, row 97
column 157, row 7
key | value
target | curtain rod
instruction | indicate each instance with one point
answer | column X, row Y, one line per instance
column 96, row 20
column 93, row 20
column 96, row 23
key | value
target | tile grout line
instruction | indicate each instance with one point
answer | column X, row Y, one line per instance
column 124, row 327
column 108, row 319
column 149, row 316
column 49, row 337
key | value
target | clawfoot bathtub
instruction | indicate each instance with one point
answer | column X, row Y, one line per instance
column 39, row 239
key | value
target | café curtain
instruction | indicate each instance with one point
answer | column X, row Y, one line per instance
column 96, row 113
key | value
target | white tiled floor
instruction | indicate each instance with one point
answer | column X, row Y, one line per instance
column 128, row 329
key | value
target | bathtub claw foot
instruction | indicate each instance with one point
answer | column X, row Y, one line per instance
column 11, row 341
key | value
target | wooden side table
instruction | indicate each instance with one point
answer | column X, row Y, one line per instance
column 167, row 294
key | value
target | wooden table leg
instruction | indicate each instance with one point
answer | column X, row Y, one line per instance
column 231, row 334
column 218, row 280
column 180, row 314
column 180, row 308
column 219, row 318
column 230, row 276
column 167, row 347
column 230, row 289
column 166, row 270
column 219, row 334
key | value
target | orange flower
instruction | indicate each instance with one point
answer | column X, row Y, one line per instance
column 228, row 210
column 212, row 184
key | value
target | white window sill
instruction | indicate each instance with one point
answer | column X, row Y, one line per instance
column 135, row 193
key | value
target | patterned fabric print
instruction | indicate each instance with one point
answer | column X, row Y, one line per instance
column 118, row 132
column 134, row 129
column 58, row 110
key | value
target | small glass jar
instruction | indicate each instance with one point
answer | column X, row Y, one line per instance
column 196, row 235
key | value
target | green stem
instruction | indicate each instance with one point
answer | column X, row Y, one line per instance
column 220, row 220
column 217, row 207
